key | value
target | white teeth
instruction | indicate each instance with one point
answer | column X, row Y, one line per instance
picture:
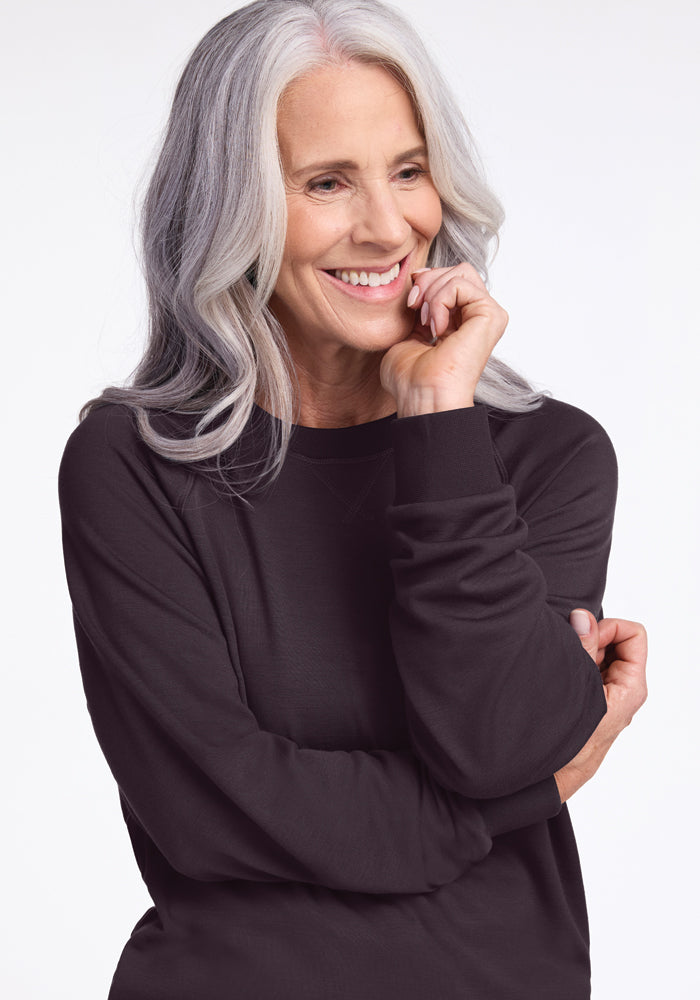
column 372, row 278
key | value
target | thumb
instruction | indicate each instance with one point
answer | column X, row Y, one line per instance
column 585, row 626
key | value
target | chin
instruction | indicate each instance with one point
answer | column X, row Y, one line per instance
column 382, row 340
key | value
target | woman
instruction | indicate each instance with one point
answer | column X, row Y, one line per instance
column 323, row 551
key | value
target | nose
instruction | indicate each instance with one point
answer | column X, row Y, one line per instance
column 379, row 219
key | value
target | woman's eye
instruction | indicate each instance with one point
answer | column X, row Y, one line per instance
column 327, row 185
column 410, row 173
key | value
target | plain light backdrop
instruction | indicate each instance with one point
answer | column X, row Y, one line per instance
column 586, row 118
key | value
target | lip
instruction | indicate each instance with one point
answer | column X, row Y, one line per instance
column 382, row 293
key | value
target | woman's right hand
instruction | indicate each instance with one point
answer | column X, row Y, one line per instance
column 619, row 647
column 454, row 305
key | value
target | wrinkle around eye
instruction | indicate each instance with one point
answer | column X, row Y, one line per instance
column 342, row 192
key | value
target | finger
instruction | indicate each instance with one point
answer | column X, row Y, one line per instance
column 585, row 626
column 626, row 659
column 614, row 630
column 455, row 299
column 420, row 332
column 626, row 640
column 422, row 279
column 425, row 278
column 415, row 295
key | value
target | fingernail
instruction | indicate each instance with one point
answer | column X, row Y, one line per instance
column 432, row 330
column 424, row 313
column 413, row 296
column 580, row 622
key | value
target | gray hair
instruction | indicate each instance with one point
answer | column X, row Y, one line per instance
column 214, row 219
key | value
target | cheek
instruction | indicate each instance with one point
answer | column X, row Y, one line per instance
column 311, row 234
column 432, row 215
column 295, row 245
column 314, row 233
column 299, row 236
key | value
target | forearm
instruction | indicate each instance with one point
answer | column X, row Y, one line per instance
column 499, row 691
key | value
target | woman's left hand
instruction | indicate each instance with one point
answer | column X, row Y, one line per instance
column 454, row 307
column 619, row 648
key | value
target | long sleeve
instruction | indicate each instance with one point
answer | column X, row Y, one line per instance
column 499, row 691
column 220, row 797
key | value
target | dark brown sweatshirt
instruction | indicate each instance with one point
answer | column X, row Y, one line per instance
column 334, row 718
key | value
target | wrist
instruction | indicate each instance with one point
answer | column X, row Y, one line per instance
column 431, row 400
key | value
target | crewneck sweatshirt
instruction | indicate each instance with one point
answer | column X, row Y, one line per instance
column 334, row 715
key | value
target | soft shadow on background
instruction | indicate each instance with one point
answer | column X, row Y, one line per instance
column 586, row 116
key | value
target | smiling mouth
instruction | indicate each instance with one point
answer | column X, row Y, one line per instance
column 374, row 279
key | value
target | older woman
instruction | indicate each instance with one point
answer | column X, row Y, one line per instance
column 323, row 551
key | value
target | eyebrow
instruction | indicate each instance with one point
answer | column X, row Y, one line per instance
column 328, row 165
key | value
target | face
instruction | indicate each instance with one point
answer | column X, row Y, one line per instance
column 362, row 209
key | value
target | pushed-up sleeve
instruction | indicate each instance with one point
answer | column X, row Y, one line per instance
column 499, row 690
column 220, row 797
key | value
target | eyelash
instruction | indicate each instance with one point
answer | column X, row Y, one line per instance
column 317, row 186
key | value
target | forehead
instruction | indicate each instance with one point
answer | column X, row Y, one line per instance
column 336, row 111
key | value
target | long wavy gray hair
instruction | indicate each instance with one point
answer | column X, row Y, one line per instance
column 214, row 218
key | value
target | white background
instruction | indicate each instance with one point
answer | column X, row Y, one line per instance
column 586, row 115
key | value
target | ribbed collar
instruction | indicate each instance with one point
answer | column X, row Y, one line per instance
column 337, row 442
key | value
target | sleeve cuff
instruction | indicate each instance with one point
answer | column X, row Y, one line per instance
column 530, row 805
column 443, row 455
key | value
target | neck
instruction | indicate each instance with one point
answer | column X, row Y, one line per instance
column 343, row 395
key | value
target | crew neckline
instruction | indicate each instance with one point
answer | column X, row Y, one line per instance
column 354, row 441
